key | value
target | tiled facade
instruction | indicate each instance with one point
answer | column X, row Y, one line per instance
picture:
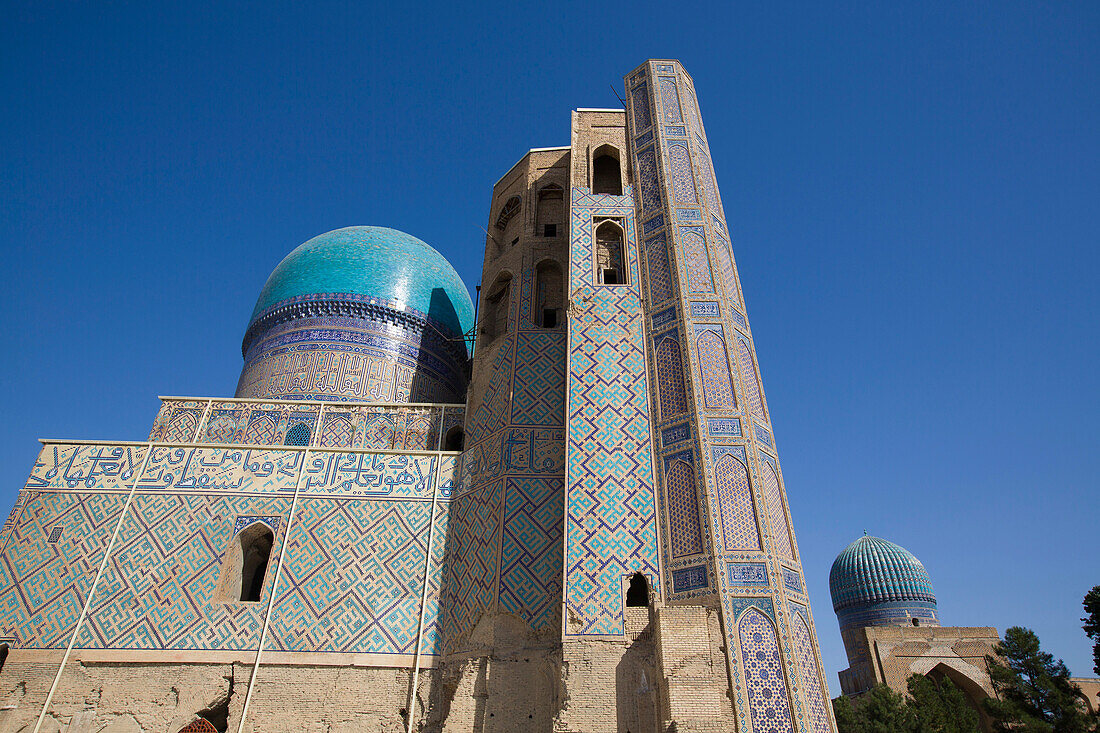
column 605, row 508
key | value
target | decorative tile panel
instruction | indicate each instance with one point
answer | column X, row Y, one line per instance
column 769, row 705
column 739, row 528
column 696, row 261
column 670, row 378
column 777, row 518
column 714, row 370
column 809, row 676
column 683, row 509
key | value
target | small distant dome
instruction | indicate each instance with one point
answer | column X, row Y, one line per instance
column 375, row 262
column 875, row 582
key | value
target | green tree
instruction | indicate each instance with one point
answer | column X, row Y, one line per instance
column 1092, row 624
column 1034, row 691
column 879, row 711
column 940, row 707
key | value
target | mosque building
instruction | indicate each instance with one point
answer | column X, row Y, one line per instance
column 891, row 629
column 565, row 514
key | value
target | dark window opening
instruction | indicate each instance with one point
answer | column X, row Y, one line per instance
column 606, row 174
column 455, row 439
column 550, row 210
column 637, row 593
column 256, row 542
column 494, row 322
column 549, row 294
column 3, row 655
column 609, row 254
column 515, row 241
column 916, row 622
column 507, row 212
column 297, row 435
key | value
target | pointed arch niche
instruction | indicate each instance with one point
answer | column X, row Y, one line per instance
column 765, row 683
column 245, row 563
column 610, row 263
column 686, row 535
column 739, row 528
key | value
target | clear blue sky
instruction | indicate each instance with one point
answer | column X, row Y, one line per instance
column 913, row 194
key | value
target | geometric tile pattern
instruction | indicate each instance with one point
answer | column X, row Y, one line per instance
column 660, row 278
column 697, row 262
column 739, row 529
column 807, row 673
column 641, row 110
column 530, row 561
column 539, row 394
column 157, row 590
column 182, row 427
column 670, row 100
column 683, row 510
column 611, row 527
column 338, row 431
column 683, row 181
column 767, row 688
column 353, row 582
column 776, row 516
column 714, row 367
column 670, row 378
column 725, row 266
column 492, row 412
column 43, row 586
column 749, row 381
column 346, row 425
column 473, row 560
column 647, row 181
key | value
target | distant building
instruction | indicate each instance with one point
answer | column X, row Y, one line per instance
column 583, row 527
column 883, row 599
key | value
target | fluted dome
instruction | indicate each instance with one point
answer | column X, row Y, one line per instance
column 878, row 582
column 372, row 262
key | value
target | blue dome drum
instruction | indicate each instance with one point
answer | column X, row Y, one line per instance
column 875, row 582
column 359, row 314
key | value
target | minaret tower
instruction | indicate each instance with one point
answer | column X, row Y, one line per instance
column 726, row 530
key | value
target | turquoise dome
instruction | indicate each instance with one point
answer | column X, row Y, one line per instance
column 372, row 262
column 873, row 571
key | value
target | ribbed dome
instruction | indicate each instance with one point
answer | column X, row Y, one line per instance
column 372, row 262
column 872, row 570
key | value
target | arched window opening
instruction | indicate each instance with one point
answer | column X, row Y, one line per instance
column 244, row 566
column 609, row 254
column 637, row 593
column 455, row 439
column 550, row 210
column 4, row 648
column 256, row 551
column 507, row 212
column 495, row 321
column 297, row 435
column 606, row 173
column 549, row 294
column 916, row 622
